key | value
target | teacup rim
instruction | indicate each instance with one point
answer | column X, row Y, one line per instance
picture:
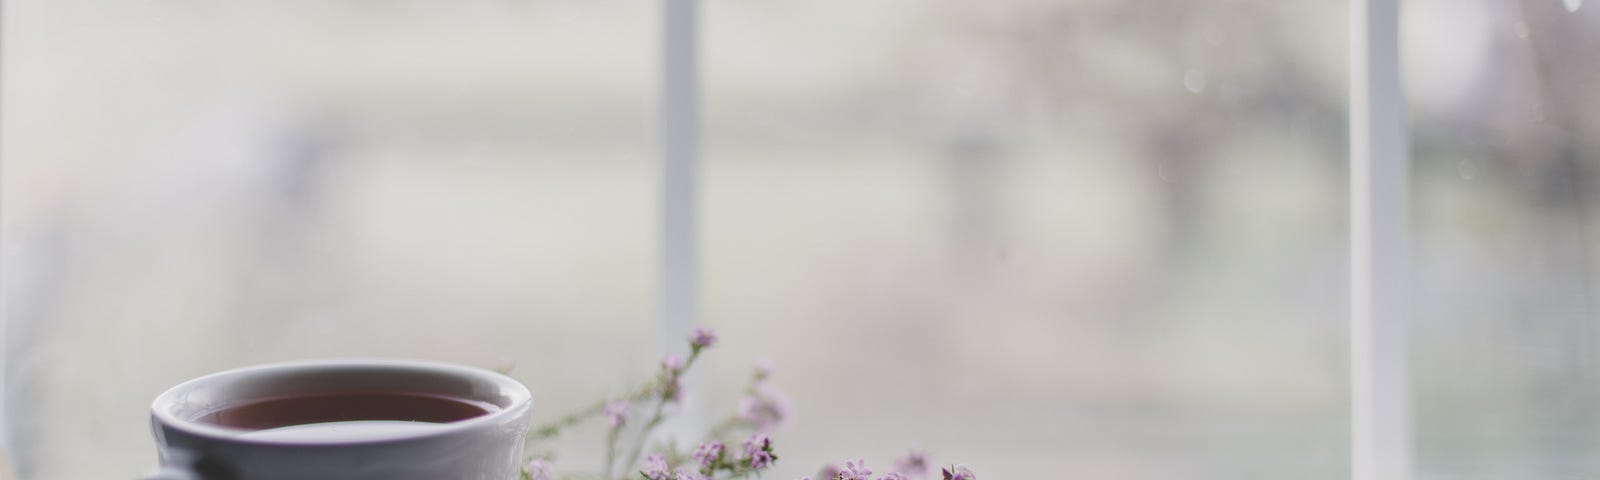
column 521, row 399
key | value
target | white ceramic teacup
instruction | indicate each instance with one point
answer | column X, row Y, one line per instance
column 194, row 444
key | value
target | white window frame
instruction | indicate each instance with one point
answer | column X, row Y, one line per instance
column 678, row 274
column 1380, row 268
column 679, row 117
column 1380, row 401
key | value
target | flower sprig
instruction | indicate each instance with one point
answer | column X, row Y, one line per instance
column 663, row 390
column 764, row 407
column 662, row 385
column 913, row 466
column 670, row 388
column 762, row 410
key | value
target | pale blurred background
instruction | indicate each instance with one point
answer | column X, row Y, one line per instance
column 1506, row 172
column 1046, row 238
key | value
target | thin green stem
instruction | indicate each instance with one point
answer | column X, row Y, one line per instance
column 611, row 450
column 667, row 384
column 553, row 429
column 644, row 434
column 728, row 425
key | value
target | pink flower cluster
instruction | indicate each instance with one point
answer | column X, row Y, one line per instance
column 912, row 466
column 709, row 453
column 539, row 470
column 703, row 338
column 766, row 408
column 616, row 413
column 959, row 472
column 758, row 449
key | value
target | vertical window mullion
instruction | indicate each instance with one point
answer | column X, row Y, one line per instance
column 680, row 130
column 679, row 117
column 1380, row 404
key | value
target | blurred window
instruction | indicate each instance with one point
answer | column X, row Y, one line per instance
column 1044, row 237
column 1503, row 118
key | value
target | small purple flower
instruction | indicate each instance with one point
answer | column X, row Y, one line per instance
column 893, row 476
column 684, row 474
column 655, row 467
column 708, row 453
column 856, row 470
column 539, row 470
column 914, row 465
column 672, row 389
column 758, row 442
column 829, row 472
column 758, row 448
column 766, row 408
column 959, row 472
column 616, row 413
column 703, row 337
column 760, row 460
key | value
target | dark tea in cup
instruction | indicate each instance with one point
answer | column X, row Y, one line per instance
column 344, row 415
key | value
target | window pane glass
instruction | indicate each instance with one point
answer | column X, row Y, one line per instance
column 1502, row 109
column 190, row 187
column 1048, row 238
